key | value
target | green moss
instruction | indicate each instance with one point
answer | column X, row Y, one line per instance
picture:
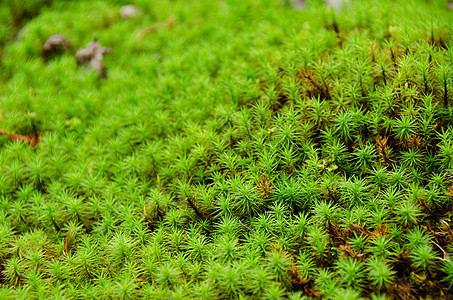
column 248, row 150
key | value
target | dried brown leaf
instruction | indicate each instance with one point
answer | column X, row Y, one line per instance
column 93, row 55
column 55, row 44
column 32, row 139
column 169, row 22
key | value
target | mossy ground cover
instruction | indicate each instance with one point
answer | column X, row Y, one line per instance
column 243, row 150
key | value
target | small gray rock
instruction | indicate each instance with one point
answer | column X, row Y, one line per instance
column 300, row 4
column 130, row 11
column 336, row 4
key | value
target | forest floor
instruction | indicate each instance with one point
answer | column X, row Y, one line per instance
column 235, row 149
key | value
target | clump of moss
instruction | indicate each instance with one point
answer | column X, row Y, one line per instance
column 249, row 150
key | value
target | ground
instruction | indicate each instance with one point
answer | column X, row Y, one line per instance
column 226, row 149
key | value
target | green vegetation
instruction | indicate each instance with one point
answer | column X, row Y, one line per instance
column 244, row 149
